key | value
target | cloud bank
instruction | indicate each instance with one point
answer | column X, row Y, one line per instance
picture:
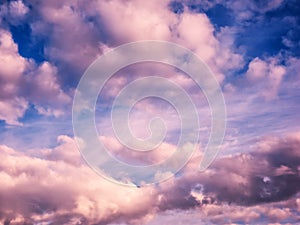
column 55, row 186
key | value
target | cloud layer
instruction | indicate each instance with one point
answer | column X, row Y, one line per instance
column 54, row 185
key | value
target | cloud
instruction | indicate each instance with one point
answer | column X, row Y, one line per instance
column 53, row 185
column 268, row 74
column 13, row 109
column 75, row 33
column 96, row 30
column 43, row 86
column 137, row 20
column 252, row 178
column 73, row 40
column 210, row 214
column 14, row 11
column 59, row 190
column 12, row 68
column 24, row 82
column 236, row 188
column 12, row 64
column 156, row 155
column 18, row 9
column 252, row 10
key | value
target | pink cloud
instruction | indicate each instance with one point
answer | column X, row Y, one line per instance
column 40, row 85
column 157, row 155
column 18, row 9
column 132, row 21
column 136, row 20
column 45, row 86
column 12, row 110
column 268, row 74
column 13, row 66
column 57, row 187
column 53, row 185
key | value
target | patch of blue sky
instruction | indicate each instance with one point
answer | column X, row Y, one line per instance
column 176, row 7
column 259, row 119
column 29, row 46
column 36, row 131
column 220, row 16
column 264, row 35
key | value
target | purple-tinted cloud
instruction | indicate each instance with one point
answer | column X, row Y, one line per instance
column 55, row 186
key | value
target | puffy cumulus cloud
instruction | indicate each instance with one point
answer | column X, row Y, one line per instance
column 59, row 190
column 22, row 81
column 268, row 74
column 65, row 151
column 12, row 64
column 193, row 31
column 54, row 186
column 74, row 49
column 137, row 20
column 17, row 8
column 196, row 32
column 14, row 11
column 12, row 67
column 78, row 32
column 42, row 88
column 13, row 109
column 45, row 86
column 74, row 40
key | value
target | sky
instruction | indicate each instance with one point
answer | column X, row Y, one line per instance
column 251, row 47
